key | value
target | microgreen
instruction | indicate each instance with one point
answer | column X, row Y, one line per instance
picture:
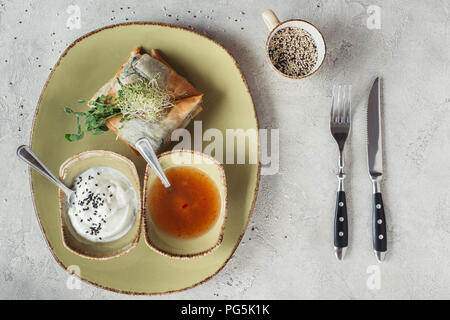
column 142, row 99
column 94, row 119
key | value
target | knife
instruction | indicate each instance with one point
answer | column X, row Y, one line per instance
column 375, row 163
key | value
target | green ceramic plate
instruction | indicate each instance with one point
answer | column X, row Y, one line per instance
column 82, row 69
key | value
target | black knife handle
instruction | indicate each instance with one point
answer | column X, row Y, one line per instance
column 379, row 224
column 340, row 221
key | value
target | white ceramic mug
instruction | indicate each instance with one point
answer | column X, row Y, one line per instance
column 274, row 25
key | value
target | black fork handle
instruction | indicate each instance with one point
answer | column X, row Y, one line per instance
column 340, row 221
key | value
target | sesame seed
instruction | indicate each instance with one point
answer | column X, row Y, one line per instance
column 293, row 51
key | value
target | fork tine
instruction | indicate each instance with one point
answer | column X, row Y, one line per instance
column 341, row 103
column 336, row 104
column 333, row 103
column 348, row 102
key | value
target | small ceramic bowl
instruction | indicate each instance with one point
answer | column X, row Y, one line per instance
column 68, row 172
column 275, row 25
column 186, row 247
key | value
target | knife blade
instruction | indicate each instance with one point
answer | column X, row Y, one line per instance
column 375, row 166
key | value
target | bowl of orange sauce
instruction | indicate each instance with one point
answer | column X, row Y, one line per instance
column 187, row 220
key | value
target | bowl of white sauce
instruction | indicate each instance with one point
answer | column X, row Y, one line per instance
column 102, row 220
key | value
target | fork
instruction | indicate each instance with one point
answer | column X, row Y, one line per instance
column 340, row 123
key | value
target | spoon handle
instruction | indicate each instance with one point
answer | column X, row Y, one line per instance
column 145, row 149
column 26, row 154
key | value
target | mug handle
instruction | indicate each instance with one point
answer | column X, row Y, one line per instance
column 270, row 19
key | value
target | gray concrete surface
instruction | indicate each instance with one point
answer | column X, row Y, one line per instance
column 286, row 252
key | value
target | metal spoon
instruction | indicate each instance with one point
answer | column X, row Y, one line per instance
column 145, row 149
column 26, row 154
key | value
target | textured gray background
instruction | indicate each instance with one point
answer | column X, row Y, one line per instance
column 287, row 250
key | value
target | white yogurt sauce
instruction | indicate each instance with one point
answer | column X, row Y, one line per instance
column 105, row 204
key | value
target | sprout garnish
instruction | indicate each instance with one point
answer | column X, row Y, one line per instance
column 142, row 99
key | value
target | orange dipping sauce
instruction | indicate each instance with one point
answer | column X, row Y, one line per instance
column 188, row 210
